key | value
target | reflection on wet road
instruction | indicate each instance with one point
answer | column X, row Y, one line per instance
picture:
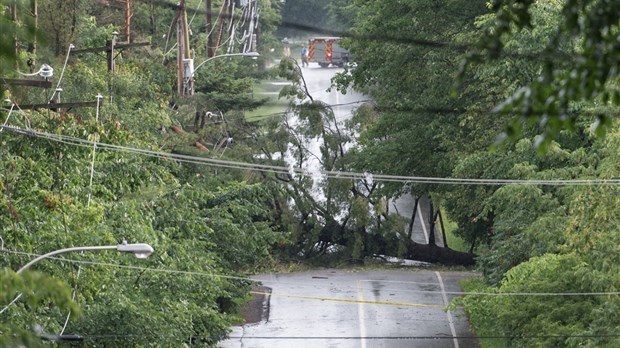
column 347, row 308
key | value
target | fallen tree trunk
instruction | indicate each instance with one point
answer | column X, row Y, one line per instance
column 436, row 254
column 377, row 244
column 420, row 252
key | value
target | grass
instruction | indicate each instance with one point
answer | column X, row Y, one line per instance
column 274, row 106
column 454, row 242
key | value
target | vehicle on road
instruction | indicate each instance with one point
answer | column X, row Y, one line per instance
column 327, row 51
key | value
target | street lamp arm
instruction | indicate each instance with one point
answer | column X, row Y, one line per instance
column 62, row 251
column 140, row 250
column 247, row 54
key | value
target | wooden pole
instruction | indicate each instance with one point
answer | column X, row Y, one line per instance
column 128, row 15
column 14, row 18
column 210, row 50
column 32, row 47
column 180, row 49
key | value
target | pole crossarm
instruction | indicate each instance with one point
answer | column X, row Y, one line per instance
column 30, row 83
column 54, row 106
column 107, row 48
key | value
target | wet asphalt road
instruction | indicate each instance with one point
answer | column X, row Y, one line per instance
column 343, row 308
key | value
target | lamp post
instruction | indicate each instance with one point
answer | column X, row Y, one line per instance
column 140, row 250
column 191, row 70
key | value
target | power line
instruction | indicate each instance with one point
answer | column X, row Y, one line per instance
column 460, row 47
column 300, row 171
column 418, row 337
column 438, row 337
column 275, row 283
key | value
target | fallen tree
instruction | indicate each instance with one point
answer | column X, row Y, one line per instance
column 327, row 211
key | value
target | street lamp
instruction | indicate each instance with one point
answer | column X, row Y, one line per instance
column 190, row 70
column 140, row 250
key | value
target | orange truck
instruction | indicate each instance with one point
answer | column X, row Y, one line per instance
column 326, row 51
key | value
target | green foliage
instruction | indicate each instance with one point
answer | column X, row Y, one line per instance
column 37, row 290
column 550, row 317
column 561, row 241
column 195, row 223
column 577, row 60
column 207, row 226
column 17, row 27
column 547, row 69
column 303, row 17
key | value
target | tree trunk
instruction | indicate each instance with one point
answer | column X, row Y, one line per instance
column 435, row 254
column 443, row 229
column 377, row 244
column 415, row 210
column 431, row 222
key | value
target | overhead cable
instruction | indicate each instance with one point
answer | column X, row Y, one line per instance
column 276, row 282
column 304, row 172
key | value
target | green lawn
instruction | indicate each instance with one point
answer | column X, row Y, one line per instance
column 274, row 107
column 454, row 242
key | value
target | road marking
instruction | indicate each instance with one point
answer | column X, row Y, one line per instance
column 360, row 313
column 422, row 222
column 396, row 281
column 348, row 300
column 448, row 313
column 337, row 113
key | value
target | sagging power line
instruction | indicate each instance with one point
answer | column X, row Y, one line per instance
column 300, row 171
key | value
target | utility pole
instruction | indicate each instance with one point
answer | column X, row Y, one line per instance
column 14, row 19
column 111, row 49
column 32, row 47
column 185, row 64
column 110, row 52
column 128, row 15
column 210, row 49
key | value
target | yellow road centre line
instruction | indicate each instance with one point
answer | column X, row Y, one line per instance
column 334, row 299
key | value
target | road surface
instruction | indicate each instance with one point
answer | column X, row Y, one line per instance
column 348, row 308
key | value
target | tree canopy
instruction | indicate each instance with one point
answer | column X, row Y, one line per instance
column 534, row 81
